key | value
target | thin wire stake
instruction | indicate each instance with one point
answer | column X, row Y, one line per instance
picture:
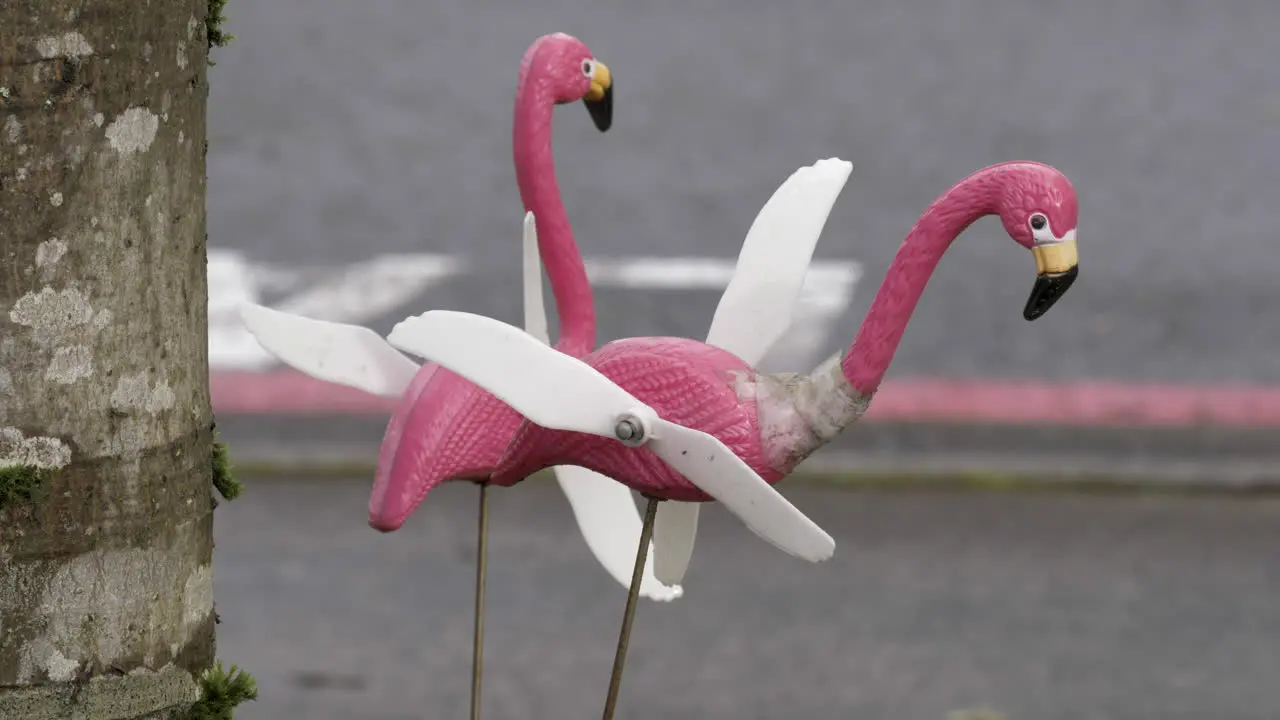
column 629, row 615
column 477, row 647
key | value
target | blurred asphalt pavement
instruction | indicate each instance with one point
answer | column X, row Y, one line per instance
column 1040, row 607
column 345, row 128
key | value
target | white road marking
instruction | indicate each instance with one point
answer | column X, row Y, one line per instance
column 826, row 294
column 371, row 289
column 355, row 294
column 366, row 291
column 646, row 273
column 231, row 281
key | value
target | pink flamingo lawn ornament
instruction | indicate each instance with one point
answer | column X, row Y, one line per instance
column 424, row 444
column 677, row 419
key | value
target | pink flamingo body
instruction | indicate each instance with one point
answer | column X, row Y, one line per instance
column 688, row 382
column 773, row 421
column 445, row 427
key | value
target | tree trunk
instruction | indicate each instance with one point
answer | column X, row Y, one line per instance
column 106, row 596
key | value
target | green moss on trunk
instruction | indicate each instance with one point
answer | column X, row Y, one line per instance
column 228, row 485
column 213, row 21
column 19, row 483
column 221, row 691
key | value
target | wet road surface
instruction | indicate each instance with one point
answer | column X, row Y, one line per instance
column 1041, row 607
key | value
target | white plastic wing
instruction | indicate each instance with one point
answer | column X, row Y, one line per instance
column 348, row 355
column 759, row 302
column 535, row 309
column 607, row 516
column 675, row 528
column 755, row 310
column 604, row 510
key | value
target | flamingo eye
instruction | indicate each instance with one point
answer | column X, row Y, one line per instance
column 589, row 67
column 1038, row 221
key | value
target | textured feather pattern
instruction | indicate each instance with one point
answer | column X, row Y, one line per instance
column 686, row 382
column 444, row 428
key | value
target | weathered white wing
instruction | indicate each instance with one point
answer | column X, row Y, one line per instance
column 344, row 354
column 758, row 305
column 535, row 309
column 755, row 310
column 610, row 523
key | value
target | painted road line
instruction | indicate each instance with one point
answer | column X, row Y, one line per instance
column 826, row 294
column 362, row 293
column 689, row 273
column 1085, row 403
column 368, row 291
column 371, row 289
column 358, row 294
column 919, row 400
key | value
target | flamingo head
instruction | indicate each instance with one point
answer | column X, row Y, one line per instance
column 1038, row 209
column 573, row 73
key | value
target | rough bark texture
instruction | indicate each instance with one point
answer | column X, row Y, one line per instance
column 106, row 600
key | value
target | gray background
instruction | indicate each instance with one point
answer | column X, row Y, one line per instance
column 340, row 129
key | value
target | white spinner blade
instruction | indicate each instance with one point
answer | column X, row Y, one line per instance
column 755, row 310
column 545, row 385
column 535, row 309
column 675, row 528
column 757, row 306
column 348, row 355
column 717, row 471
column 611, row 525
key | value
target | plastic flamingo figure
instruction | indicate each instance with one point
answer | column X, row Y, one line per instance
column 444, row 427
column 677, row 419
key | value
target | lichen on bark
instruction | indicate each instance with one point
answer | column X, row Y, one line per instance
column 106, row 596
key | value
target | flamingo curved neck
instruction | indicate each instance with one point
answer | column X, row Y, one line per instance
column 868, row 358
column 540, row 193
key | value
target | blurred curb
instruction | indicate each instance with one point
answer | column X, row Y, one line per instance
column 1193, row 457
column 879, row 454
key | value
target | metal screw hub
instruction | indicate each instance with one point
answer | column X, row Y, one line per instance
column 630, row 431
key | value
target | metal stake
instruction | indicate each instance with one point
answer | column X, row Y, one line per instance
column 477, row 647
column 629, row 615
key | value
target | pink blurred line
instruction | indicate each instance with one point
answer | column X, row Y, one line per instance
column 287, row 392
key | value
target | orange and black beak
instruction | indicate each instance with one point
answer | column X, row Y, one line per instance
column 1056, row 270
column 599, row 99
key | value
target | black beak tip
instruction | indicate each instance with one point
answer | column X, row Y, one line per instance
column 1047, row 291
column 601, row 110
